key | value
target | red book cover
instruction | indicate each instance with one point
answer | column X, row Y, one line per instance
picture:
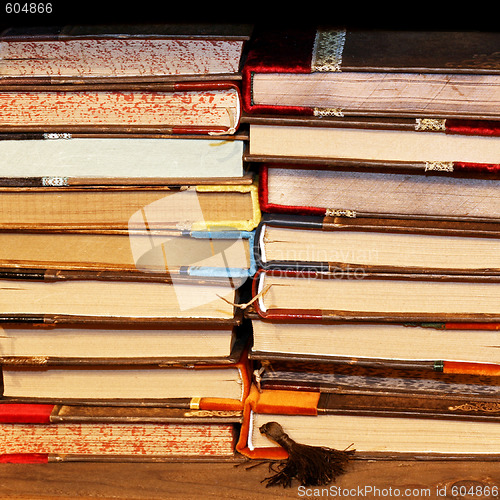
column 333, row 71
column 306, row 189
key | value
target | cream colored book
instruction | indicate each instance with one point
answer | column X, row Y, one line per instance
column 120, row 299
column 360, row 295
column 363, row 146
column 124, row 382
column 372, row 342
column 67, row 158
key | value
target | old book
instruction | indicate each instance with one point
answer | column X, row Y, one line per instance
column 376, row 377
column 328, row 243
column 31, row 158
column 440, row 347
column 304, row 189
column 41, row 433
column 332, row 71
column 359, row 295
column 122, row 383
column 131, row 344
column 459, row 146
column 122, row 52
column 118, row 298
column 152, row 382
column 376, row 426
column 173, row 108
column 196, row 253
column 124, row 208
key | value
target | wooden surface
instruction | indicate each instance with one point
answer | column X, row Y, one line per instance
column 152, row 481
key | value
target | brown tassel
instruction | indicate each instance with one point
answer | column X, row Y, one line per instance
column 310, row 465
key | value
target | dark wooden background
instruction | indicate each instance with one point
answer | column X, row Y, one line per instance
column 152, row 481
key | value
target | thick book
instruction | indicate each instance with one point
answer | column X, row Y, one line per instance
column 306, row 189
column 170, row 108
column 102, row 159
column 313, row 242
column 134, row 208
column 116, row 298
column 421, row 145
column 127, row 344
column 122, row 52
column 190, row 253
column 41, row 433
column 442, row 348
column 363, row 296
column 152, row 382
column 374, row 425
column 333, row 71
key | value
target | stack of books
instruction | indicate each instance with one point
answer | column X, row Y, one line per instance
column 377, row 292
column 126, row 222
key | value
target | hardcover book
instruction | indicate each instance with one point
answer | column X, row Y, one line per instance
column 316, row 347
column 169, row 108
column 305, row 189
column 129, row 52
column 359, row 295
column 191, row 253
column 380, row 377
column 312, row 242
column 133, row 208
column 41, row 433
column 374, row 425
column 152, row 381
column 333, row 71
column 116, row 298
column 128, row 344
column 465, row 147
column 128, row 158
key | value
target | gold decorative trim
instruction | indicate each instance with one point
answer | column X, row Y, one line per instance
column 439, row 166
column 194, row 404
column 338, row 212
column 430, row 124
column 327, row 50
column 54, row 181
column 213, row 413
column 328, row 112
column 477, row 406
column 57, row 135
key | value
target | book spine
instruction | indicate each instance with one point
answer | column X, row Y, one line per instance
column 24, row 458
column 26, row 413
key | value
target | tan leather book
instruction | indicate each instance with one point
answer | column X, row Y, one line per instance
column 124, row 208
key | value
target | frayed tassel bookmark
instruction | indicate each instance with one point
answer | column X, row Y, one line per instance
column 310, row 465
